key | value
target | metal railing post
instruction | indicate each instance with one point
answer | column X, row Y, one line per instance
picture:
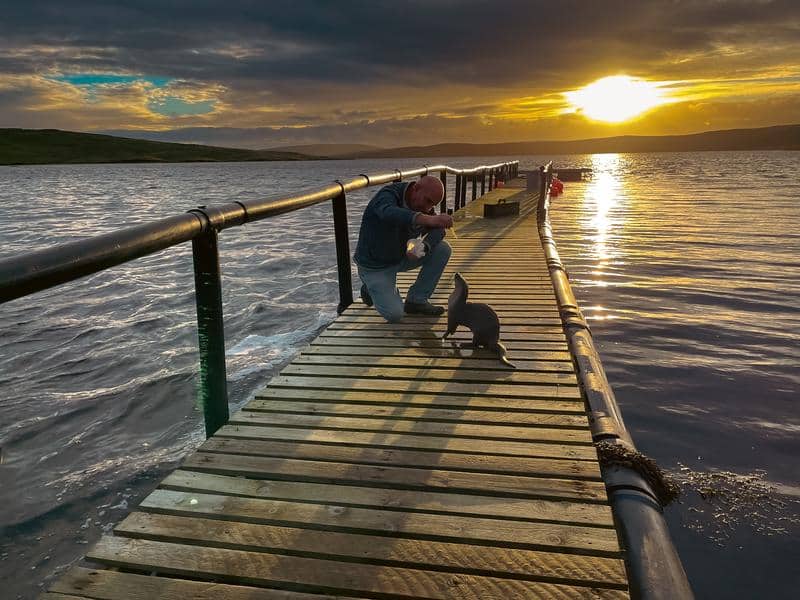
column 463, row 201
column 342, row 251
column 542, row 190
column 213, row 393
column 457, row 194
column 491, row 177
column 443, row 203
column 483, row 182
column 474, row 186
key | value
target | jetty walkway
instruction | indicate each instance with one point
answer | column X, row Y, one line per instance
column 383, row 462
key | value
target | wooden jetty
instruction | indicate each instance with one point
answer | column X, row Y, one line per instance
column 383, row 462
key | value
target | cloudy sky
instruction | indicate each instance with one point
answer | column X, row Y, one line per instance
column 257, row 74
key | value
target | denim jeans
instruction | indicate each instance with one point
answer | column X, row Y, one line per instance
column 382, row 283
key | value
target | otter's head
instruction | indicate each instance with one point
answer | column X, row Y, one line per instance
column 456, row 303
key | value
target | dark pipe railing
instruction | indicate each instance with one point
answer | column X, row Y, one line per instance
column 37, row 271
column 655, row 571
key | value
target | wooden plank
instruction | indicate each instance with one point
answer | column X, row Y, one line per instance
column 433, row 343
column 508, row 376
column 477, row 252
column 102, row 584
column 497, row 290
column 467, row 354
column 488, row 273
column 559, row 392
column 406, row 478
column 546, row 334
column 417, row 442
column 499, row 293
column 541, row 280
column 530, row 535
column 482, row 279
column 358, row 310
column 412, row 441
column 503, row 302
column 447, row 429
column 509, row 405
column 518, row 318
column 428, row 362
column 478, row 463
column 533, row 325
column 477, row 258
column 463, row 415
column 301, row 573
column 374, row 549
column 516, row 509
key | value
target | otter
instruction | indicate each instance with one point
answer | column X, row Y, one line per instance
column 477, row 317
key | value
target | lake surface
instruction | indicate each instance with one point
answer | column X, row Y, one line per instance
column 686, row 264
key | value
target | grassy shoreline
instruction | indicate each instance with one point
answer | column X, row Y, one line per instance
column 52, row 146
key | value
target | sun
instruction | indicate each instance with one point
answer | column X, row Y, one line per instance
column 616, row 99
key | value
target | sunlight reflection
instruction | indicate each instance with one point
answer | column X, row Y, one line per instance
column 601, row 198
column 602, row 219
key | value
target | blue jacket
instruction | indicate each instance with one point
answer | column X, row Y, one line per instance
column 386, row 227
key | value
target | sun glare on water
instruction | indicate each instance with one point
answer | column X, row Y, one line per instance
column 615, row 99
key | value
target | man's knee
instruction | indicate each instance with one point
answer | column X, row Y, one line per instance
column 441, row 253
column 390, row 308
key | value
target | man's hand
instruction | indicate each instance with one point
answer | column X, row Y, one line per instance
column 435, row 221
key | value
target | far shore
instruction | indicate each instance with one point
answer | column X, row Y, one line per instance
column 50, row 146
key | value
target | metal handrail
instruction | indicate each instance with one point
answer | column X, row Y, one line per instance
column 36, row 271
column 44, row 269
column 654, row 568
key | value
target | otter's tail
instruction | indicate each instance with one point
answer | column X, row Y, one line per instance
column 503, row 354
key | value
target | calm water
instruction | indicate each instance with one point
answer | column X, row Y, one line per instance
column 688, row 266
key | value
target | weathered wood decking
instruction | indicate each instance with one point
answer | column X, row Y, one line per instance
column 385, row 463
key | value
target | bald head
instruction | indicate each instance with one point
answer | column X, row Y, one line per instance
column 425, row 194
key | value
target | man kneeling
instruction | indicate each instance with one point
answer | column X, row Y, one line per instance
column 400, row 212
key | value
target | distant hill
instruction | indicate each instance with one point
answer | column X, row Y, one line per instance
column 46, row 146
column 328, row 150
column 781, row 137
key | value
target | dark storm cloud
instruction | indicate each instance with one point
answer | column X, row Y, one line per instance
column 411, row 71
column 374, row 40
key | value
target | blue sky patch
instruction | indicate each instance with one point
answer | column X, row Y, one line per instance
column 170, row 106
column 95, row 79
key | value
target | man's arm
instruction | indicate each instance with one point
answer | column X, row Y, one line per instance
column 385, row 206
column 442, row 221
